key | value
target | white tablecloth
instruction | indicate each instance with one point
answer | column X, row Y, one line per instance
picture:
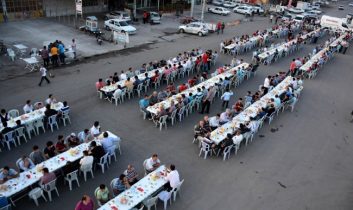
column 138, row 192
column 318, row 55
column 32, row 116
column 141, row 77
column 32, row 176
column 220, row 133
column 210, row 82
column 20, row 46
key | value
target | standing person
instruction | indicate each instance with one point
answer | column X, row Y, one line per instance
column 73, row 47
column 226, row 97
column 61, row 52
column 145, row 17
column 45, row 56
column 223, row 26
column 207, row 100
column 43, row 72
column 218, row 27
column 54, row 55
column 271, row 18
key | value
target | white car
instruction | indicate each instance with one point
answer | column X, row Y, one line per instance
column 258, row 9
column 217, row 3
column 118, row 15
column 229, row 4
column 294, row 10
column 219, row 10
column 119, row 25
column 310, row 14
column 299, row 18
column 316, row 11
column 341, row 7
column 287, row 17
column 350, row 4
column 194, row 28
column 246, row 10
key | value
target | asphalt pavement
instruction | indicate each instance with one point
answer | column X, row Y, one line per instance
column 301, row 161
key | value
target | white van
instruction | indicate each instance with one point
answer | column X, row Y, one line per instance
column 335, row 23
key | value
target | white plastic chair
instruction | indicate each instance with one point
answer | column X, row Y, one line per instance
column 144, row 166
column 11, row 54
column 117, row 146
column 65, row 117
column 72, row 177
column 20, row 132
column 150, row 202
column 39, row 124
column 9, row 138
column 35, row 194
column 52, row 122
column 139, row 89
column 205, row 148
column 165, row 197
column 112, row 183
column 173, row 116
column 181, row 113
column 162, row 122
column 49, row 187
column 30, row 128
column 177, row 190
column 13, row 113
column 112, row 154
column 103, row 162
column 226, row 152
column 85, row 169
column 270, row 118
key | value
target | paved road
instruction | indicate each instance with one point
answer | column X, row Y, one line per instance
column 305, row 164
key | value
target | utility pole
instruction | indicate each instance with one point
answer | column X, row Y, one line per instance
column 203, row 9
column 192, row 8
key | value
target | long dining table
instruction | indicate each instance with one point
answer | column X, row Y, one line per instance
column 32, row 116
column 219, row 134
column 138, row 192
column 32, row 176
column 208, row 83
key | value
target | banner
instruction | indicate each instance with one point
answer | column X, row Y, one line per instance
column 121, row 37
column 79, row 7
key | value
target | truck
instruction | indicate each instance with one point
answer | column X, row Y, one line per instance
column 303, row 5
column 335, row 23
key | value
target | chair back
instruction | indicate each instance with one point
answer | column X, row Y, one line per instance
column 18, row 163
column 182, row 181
column 31, row 156
column 112, row 183
column 104, row 159
column 173, row 113
column 140, row 86
column 52, row 119
column 227, row 149
column 181, row 110
column 38, row 123
column 163, row 119
column 38, row 105
column 205, row 146
column 50, row 185
column 72, row 175
column 111, row 150
column 9, row 136
column 65, row 114
column 145, row 165
column 20, row 131
column 13, row 113
column 80, row 136
column 151, row 201
column 86, row 167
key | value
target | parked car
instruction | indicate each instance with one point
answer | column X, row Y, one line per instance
column 299, row 18
column 119, row 25
column 350, row 4
column 287, row 17
column 219, row 10
column 245, row 10
column 217, row 3
column 118, row 15
column 341, row 7
column 194, row 28
column 229, row 4
column 258, row 9
column 316, row 11
column 310, row 14
column 296, row 11
column 154, row 18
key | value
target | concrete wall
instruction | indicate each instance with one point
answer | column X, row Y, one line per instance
column 54, row 8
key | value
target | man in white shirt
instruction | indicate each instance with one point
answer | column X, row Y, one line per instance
column 28, row 107
column 226, row 97
column 267, row 84
column 214, row 121
column 123, row 76
column 117, row 92
column 108, row 142
column 152, row 163
column 173, row 178
column 224, row 117
column 50, row 99
column 95, row 130
column 43, row 72
column 237, row 138
column 87, row 159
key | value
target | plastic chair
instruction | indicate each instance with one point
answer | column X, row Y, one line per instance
column 35, row 194
column 39, row 124
column 65, row 116
column 144, row 114
column 72, row 177
column 226, row 152
column 173, row 116
column 9, row 138
column 13, row 113
column 139, row 208
column 139, row 89
column 30, row 128
column 52, row 122
column 103, row 162
column 162, row 121
column 181, row 113
column 144, row 166
column 165, row 196
column 130, row 93
column 85, row 169
column 11, row 54
column 117, row 146
column 49, row 187
column 150, row 202
column 112, row 184
column 270, row 118
column 177, row 190
column 112, row 154
column 205, row 148
column 20, row 132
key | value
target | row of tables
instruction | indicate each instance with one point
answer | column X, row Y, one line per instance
column 32, row 116
column 32, row 176
column 221, row 132
column 138, row 192
column 141, row 77
column 317, row 56
column 210, row 82
column 284, row 46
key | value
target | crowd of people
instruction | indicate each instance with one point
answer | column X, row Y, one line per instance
column 202, row 131
column 55, row 53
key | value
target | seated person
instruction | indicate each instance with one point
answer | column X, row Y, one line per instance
column 72, row 140
column 121, row 184
column 152, row 163
column 214, row 121
column 225, row 143
column 131, row 174
column 60, row 146
column 96, row 151
column 25, row 163
column 225, row 117
column 49, row 151
column 7, row 174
